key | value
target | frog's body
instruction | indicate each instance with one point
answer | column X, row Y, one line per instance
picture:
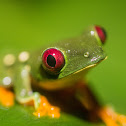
column 65, row 69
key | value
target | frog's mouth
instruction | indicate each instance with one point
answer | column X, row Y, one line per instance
column 90, row 66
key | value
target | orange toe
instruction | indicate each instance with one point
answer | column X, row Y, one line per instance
column 54, row 112
column 6, row 97
column 108, row 117
column 121, row 119
column 45, row 109
column 111, row 118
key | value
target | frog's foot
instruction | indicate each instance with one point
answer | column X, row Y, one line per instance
column 6, row 97
column 45, row 109
column 111, row 118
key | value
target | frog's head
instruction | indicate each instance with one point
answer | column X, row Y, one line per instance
column 74, row 55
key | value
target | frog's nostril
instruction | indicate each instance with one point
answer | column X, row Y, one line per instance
column 101, row 33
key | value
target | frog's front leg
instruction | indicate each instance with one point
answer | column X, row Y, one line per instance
column 106, row 114
column 25, row 95
column 22, row 87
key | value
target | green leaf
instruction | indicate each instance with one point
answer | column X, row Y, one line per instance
column 20, row 115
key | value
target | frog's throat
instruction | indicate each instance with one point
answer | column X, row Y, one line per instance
column 90, row 66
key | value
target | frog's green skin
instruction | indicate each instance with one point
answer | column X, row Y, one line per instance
column 76, row 66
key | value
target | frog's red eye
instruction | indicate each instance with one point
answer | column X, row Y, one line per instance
column 101, row 33
column 53, row 60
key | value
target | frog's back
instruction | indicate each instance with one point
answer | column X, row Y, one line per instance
column 11, row 60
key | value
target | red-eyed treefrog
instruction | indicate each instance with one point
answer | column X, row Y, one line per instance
column 60, row 66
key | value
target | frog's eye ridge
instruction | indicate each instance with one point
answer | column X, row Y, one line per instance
column 101, row 33
column 53, row 60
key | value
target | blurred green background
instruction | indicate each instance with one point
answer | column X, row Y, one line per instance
column 29, row 24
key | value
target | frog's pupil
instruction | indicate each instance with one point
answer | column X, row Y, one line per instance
column 51, row 61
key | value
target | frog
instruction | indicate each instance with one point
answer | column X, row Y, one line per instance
column 62, row 65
